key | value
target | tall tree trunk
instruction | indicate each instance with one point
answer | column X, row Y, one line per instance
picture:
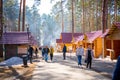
column 19, row 15
column 115, row 10
column 104, row 19
column 97, row 15
column 62, row 16
column 83, row 26
column 101, row 12
column 89, row 18
column 1, row 18
column 23, row 19
column 73, row 16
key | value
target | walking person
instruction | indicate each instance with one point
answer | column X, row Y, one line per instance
column 36, row 52
column 64, row 52
column 89, row 57
column 46, row 51
column 42, row 53
column 79, row 54
column 30, row 55
column 51, row 53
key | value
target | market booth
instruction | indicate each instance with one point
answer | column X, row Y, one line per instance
column 59, row 45
column 112, row 41
column 93, row 38
column 68, row 41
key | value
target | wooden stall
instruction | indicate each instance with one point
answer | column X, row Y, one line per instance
column 67, row 40
column 94, row 39
column 112, row 37
column 15, row 44
column 59, row 45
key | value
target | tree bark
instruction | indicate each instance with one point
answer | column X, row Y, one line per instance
column 1, row 18
column 73, row 17
column 115, row 10
column 19, row 15
column 104, row 19
column 62, row 16
column 83, row 17
column 23, row 19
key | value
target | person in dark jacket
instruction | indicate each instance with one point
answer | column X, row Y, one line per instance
column 116, row 74
column 89, row 56
column 46, row 51
column 36, row 52
column 43, row 53
column 30, row 50
column 64, row 52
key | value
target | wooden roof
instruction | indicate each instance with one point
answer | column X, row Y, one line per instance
column 16, row 38
column 116, row 25
column 91, row 36
column 58, row 40
column 67, row 37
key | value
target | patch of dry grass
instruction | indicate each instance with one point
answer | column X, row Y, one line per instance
column 17, row 72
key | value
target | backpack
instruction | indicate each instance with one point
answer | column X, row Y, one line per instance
column 89, row 54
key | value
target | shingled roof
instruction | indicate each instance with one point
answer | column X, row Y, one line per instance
column 14, row 38
column 67, row 37
column 58, row 40
column 116, row 25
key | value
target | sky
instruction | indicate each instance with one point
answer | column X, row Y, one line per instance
column 45, row 6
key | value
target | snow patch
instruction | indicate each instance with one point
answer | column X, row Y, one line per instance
column 12, row 61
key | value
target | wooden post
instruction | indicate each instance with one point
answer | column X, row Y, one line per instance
column 95, row 49
column 104, row 47
column 112, row 52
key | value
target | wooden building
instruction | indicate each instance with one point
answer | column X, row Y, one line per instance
column 112, row 41
column 14, row 43
column 59, row 45
column 93, row 38
column 67, row 40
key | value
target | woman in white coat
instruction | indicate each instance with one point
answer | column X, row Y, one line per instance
column 79, row 54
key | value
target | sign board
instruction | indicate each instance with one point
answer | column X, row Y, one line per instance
column 22, row 49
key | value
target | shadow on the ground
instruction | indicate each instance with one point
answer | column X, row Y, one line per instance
column 107, row 67
column 58, row 59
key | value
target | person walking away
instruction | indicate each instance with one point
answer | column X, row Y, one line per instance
column 51, row 53
column 79, row 54
column 46, row 51
column 36, row 52
column 116, row 73
column 30, row 50
column 64, row 52
column 89, row 57
column 43, row 53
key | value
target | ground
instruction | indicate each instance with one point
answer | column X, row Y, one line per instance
column 68, row 69
column 17, row 72
column 58, row 69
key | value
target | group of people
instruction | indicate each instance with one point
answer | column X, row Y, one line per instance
column 79, row 53
column 88, row 56
column 46, row 51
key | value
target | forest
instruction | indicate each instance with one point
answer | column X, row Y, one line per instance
column 83, row 15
